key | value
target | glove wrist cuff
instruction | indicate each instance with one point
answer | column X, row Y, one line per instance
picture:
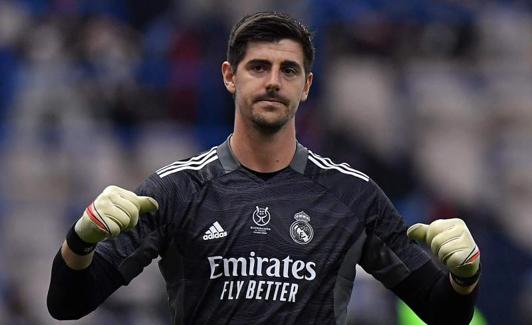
column 76, row 244
column 466, row 282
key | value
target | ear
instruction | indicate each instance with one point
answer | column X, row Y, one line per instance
column 306, row 89
column 228, row 75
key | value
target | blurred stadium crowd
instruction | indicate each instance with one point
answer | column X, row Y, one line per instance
column 433, row 99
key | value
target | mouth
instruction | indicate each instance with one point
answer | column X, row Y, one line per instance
column 271, row 100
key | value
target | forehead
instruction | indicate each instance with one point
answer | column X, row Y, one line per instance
column 282, row 50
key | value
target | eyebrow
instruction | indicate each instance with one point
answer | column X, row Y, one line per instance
column 285, row 63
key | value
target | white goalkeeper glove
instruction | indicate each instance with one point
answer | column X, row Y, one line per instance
column 451, row 241
column 113, row 211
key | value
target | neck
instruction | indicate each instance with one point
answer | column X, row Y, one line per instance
column 261, row 152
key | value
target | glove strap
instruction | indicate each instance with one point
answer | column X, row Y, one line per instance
column 76, row 244
column 466, row 282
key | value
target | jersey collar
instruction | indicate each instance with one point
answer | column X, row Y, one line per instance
column 230, row 163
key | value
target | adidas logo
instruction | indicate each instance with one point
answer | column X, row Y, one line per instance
column 215, row 231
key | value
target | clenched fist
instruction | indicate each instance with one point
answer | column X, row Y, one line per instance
column 451, row 241
column 113, row 211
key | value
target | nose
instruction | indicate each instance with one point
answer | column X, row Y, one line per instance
column 274, row 81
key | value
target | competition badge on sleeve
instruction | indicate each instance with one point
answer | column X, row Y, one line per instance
column 301, row 231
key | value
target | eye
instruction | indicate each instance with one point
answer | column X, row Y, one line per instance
column 290, row 71
column 258, row 68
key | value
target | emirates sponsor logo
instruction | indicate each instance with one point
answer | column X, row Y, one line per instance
column 280, row 275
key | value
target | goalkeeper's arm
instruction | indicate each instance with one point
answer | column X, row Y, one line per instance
column 80, row 279
column 114, row 210
column 438, row 296
column 451, row 242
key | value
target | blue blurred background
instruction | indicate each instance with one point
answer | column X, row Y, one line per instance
column 432, row 99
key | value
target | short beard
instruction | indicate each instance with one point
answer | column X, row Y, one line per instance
column 267, row 128
column 264, row 127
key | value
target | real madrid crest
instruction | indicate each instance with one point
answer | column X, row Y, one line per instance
column 301, row 231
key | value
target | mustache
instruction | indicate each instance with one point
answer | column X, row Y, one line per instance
column 273, row 98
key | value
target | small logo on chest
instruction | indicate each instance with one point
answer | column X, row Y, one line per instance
column 301, row 231
column 261, row 217
column 215, row 231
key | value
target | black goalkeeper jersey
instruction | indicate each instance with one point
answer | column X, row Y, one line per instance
column 237, row 249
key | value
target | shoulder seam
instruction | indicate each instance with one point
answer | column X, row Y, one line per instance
column 344, row 168
column 193, row 163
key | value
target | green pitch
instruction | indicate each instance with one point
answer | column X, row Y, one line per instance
column 406, row 316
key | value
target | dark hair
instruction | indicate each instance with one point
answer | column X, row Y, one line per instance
column 268, row 27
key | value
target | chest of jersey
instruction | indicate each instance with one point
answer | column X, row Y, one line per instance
column 256, row 240
column 287, row 214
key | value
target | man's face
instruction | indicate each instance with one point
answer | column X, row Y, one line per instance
column 269, row 83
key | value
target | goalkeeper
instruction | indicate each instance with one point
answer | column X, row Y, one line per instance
column 259, row 229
